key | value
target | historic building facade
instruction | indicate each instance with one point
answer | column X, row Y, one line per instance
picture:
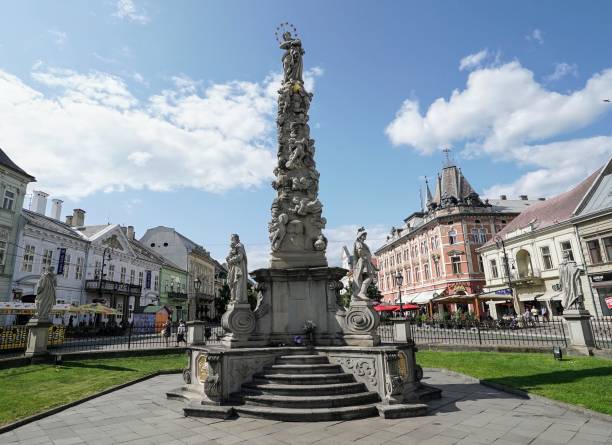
column 189, row 256
column 435, row 250
column 523, row 265
column 593, row 221
column 13, row 184
column 120, row 272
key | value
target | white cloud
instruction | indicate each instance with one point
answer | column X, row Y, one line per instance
column 473, row 60
column 126, row 9
column 59, row 37
column 561, row 70
column 104, row 59
column 505, row 114
column 87, row 133
column 536, row 35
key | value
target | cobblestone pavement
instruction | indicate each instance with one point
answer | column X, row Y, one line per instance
column 469, row 413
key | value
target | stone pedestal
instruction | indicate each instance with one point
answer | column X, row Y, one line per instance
column 195, row 332
column 37, row 338
column 580, row 332
column 290, row 297
column 239, row 323
column 361, row 321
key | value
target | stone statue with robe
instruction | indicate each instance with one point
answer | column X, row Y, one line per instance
column 293, row 65
column 364, row 271
column 45, row 295
column 569, row 280
column 237, row 271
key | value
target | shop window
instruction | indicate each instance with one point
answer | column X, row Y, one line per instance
column 566, row 246
column 607, row 242
column 456, row 263
column 594, row 251
column 494, row 270
column 546, row 258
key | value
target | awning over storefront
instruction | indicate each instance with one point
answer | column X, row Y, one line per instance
column 395, row 307
column 529, row 296
column 425, row 297
column 550, row 295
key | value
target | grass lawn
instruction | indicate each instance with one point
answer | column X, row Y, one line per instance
column 25, row 391
column 583, row 381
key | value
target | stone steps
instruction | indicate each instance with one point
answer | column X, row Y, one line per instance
column 305, row 368
column 310, row 415
column 263, row 387
column 301, row 359
column 311, row 402
column 306, row 387
column 304, row 379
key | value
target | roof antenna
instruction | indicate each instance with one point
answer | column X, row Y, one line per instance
column 448, row 162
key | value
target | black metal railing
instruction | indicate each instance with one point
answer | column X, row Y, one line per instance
column 13, row 340
column 113, row 287
column 602, row 332
column 113, row 337
column 515, row 332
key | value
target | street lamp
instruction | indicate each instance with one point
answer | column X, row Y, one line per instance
column 192, row 307
column 399, row 279
column 499, row 242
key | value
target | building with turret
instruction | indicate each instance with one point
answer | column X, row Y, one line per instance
column 434, row 251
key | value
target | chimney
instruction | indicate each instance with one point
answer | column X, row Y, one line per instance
column 503, row 197
column 56, row 209
column 78, row 217
column 39, row 202
column 69, row 220
column 541, row 199
column 523, row 197
column 130, row 232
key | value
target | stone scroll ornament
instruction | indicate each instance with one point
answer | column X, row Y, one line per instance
column 45, row 295
column 297, row 223
column 569, row 280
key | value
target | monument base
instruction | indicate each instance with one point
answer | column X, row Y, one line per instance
column 361, row 321
column 38, row 334
column 283, row 383
column 288, row 298
column 580, row 332
column 195, row 332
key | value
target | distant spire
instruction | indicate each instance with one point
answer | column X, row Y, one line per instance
column 448, row 160
column 428, row 196
column 421, row 198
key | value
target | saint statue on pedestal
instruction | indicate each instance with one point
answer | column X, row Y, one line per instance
column 237, row 271
column 364, row 271
column 293, row 65
column 45, row 295
column 569, row 280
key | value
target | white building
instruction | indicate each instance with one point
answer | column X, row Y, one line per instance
column 45, row 242
column 120, row 272
column 534, row 244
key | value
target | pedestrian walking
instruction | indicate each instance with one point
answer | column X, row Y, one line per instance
column 180, row 333
column 166, row 331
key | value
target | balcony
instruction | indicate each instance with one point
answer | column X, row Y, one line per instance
column 177, row 295
column 113, row 287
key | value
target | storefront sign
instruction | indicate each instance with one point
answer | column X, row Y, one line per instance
column 504, row 292
column 601, row 277
column 61, row 261
column 609, row 302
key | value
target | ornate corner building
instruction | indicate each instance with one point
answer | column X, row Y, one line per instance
column 435, row 249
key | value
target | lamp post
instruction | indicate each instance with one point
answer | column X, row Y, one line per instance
column 499, row 242
column 192, row 307
column 399, row 279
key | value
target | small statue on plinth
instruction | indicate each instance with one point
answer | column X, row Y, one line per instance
column 239, row 320
column 569, row 281
column 45, row 295
column 364, row 272
column 237, row 271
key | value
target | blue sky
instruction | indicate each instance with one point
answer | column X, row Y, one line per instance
column 161, row 113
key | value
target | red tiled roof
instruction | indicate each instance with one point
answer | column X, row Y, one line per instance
column 549, row 212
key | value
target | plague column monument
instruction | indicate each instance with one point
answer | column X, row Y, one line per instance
column 298, row 351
